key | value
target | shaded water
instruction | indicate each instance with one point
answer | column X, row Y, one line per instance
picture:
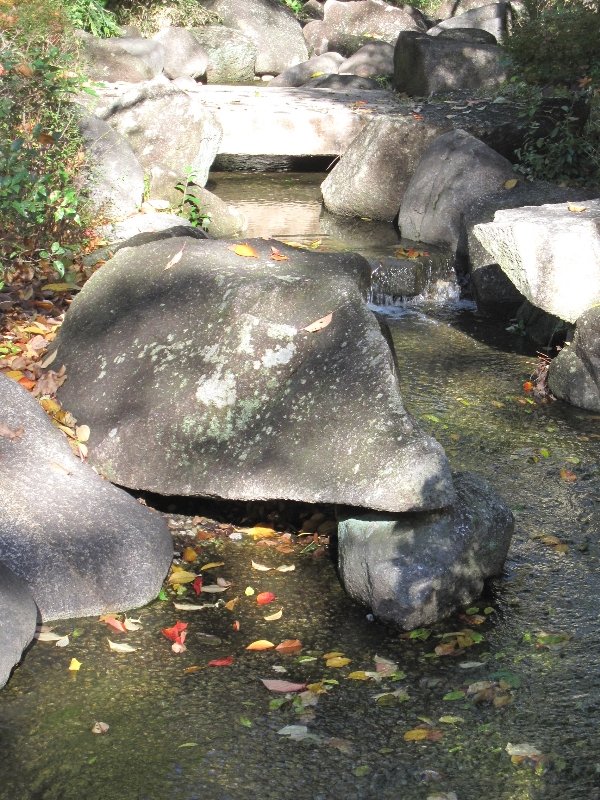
column 212, row 733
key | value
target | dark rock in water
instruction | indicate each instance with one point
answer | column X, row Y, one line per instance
column 83, row 546
column 18, row 615
column 196, row 373
column 415, row 569
column 574, row 374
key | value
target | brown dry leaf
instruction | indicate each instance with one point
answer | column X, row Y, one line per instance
column 319, row 324
column 100, row 727
column 289, row 646
column 231, row 604
column 17, row 433
column 25, row 70
column 576, row 209
column 176, row 258
column 568, row 475
column 245, row 250
column 277, row 255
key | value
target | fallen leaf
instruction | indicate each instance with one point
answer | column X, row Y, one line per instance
column 296, row 732
column 448, row 719
column 221, row 662
column 176, row 258
column 191, row 670
column 62, row 642
column 212, row 565
column 100, row 727
column 121, row 648
column 114, row 623
column 48, row 636
column 319, row 324
column 197, row 584
column 260, row 644
column 285, row 568
column 260, row 532
column 132, row 624
column 276, row 685
column 231, row 604
column 174, row 632
column 192, row 606
column 456, row 694
column 264, row 598
column 189, row 555
column 245, row 250
column 273, row 617
column 289, row 646
column 249, row 591
column 215, row 588
column 178, row 647
column 511, row 183
column 567, row 475
column 358, row 675
column 75, row 665
column 337, row 661
column 24, row 70
column 576, row 209
column 277, row 255
column 181, row 576
column 260, row 567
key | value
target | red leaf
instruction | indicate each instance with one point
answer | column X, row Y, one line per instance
column 264, row 598
column 175, row 633
column 221, row 662
column 115, row 623
column 197, row 585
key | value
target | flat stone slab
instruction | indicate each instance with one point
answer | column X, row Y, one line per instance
column 199, row 373
column 83, row 546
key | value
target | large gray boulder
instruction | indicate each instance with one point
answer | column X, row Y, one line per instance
column 301, row 73
column 427, row 65
column 455, row 169
column 184, row 57
column 493, row 290
column 125, row 58
column 574, row 374
column 114, row 177
column 491, row 18
column 83, row 546
column 196, row 372
column 18, row 616
column 376, row 18
column 550, row 252
column 374, row 60
column 415, row 569
column 343, row 83
column 371, row 177
column 190, row 139
column 274, row 30
column 231, row 55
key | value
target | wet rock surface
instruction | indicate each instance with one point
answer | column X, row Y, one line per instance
column 200, row 372
column 574, row 374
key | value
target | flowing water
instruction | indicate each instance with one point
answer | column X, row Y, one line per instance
column 214, row 733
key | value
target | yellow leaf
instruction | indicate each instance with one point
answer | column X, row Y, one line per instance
column 212, row 565
column 245, row 250
column 231, row 604
column 319, row 324
column 333, row 654
column 260, row 532
column 415, row 735
column 317, row 74
column 338, row 661
column 74, row 665
column 61, row 287
column 359, row 675
column 317, row 688
column 249, row 591
column 83, row 433
column 15, row 374
column 50, row 406
column 575, row 208
column 260, row 644
column 189, row 555
column 272, row 617
column 181, row 576
column 511, row 183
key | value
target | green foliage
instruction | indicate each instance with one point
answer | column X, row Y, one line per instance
column 294, row 5
column 555, row 43
column 190, row 206
column 40, row 149
column 92, row 16
column 559, row 152
column 149, row 16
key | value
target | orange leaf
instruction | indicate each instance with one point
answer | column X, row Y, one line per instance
column 277, row 255
column 289, row 646
column 176, row 632
column 245, row 250
column 189, row 555
column 318, row 324
column 114, row 623
column 260, row 644
column 568, row 475
column 264, row 598
column 27, row 383
column 528, row 386
column 221, row 662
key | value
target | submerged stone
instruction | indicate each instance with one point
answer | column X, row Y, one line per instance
column 415, row 569
column 199, row 372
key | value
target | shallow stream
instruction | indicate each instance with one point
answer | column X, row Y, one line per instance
column 215, row 733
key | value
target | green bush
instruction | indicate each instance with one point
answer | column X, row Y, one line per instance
column 556, row 44
column 92, row 16
column 149, row 16
column 40, row 149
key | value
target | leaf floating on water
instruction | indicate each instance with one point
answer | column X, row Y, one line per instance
column 175, row 631
column 260, row 644
column 456, row 694
column 568, row 475
column 245, row 250
column 511, row 183
column 249, row 591
column 319, row 324
column 181, row 576
column 75, row 665
column 100, row 727
column 276, row 685
column 273, row 617
column 231, row 604
column 187, row 744
column 189, row 555
column 121, row 647
column 192, row 606
column 260, row 567
column 289, row 646
column 449, row 719
column 221, row 662
column 337, row 662
column 178, row 647
column 362, row 770
column 212, row 565
column 264, row 598
column 132, row 624
column 358, row 675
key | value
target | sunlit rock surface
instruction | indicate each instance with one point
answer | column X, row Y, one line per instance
column 83, row 546
column 415, row 569
column 199, row 373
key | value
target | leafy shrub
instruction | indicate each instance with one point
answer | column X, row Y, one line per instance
column 149, row 16
column 92, row 16
column 556, row 43
column 40, row 152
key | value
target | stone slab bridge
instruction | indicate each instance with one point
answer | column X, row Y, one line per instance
column 259, row 120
